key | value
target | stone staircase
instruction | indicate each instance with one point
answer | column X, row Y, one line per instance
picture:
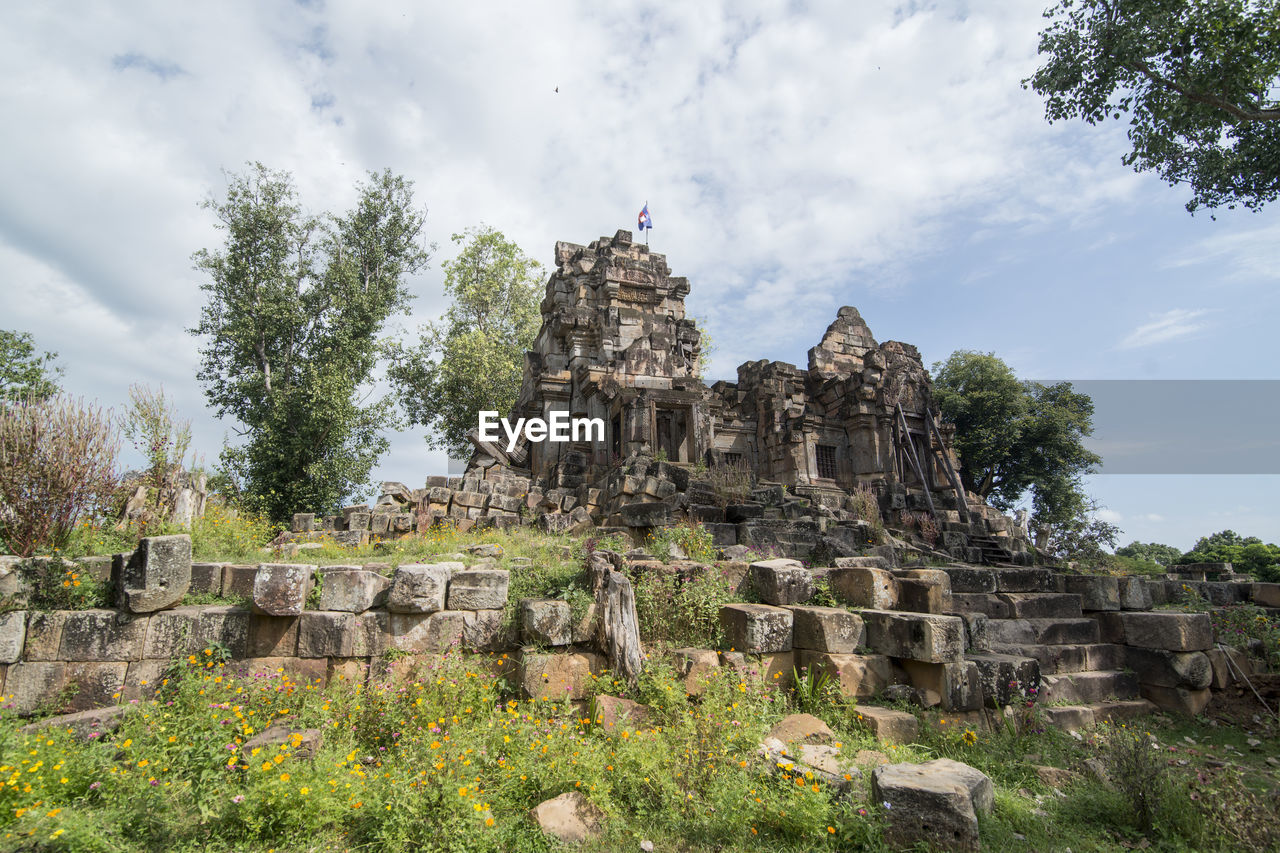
column 1082, row 680
column 992, row 552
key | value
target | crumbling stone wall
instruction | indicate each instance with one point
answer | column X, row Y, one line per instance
column 962, row 638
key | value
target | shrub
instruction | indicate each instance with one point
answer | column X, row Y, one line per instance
column 1244, row 626
column 227, row 534
column 1137, row 767
column 689, row 537
column 812, row 689
column 151, row 423
column 682, row 609
column 57, row 465
column 865, row 506
column 59, row 585
column 730, row 482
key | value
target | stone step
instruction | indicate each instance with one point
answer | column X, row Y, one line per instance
column 1070, row 658
column 1042, row 605
column 1018, row 605
column 1043, row 632
column 1088, row 687
column 1075, row 717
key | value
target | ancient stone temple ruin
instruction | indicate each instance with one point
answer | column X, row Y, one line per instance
column 615, row 345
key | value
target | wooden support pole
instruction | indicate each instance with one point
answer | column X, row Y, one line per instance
column 952, row 475
column 915, row 461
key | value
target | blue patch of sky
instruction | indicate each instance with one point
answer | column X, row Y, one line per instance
column 163, row 69
column 317, row 44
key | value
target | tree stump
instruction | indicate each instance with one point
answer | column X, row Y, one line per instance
column 617, row 628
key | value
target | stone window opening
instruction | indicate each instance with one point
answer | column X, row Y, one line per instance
column 825, row 456
column 671, row 433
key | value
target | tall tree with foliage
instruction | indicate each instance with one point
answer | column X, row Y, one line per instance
column 1197, row 81
column 1014, row 436
column 24, row 373
column 1151, row 552
column 1247, row 554
column 152, row 423
column 295, row 304
column 473, row 359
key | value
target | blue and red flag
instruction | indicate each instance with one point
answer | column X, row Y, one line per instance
column 646, row 221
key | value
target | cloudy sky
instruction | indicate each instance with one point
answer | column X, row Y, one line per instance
column 796, row 157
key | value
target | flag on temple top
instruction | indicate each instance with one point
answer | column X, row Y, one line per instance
column 646, row 221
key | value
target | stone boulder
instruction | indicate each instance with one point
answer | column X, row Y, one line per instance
column 301, row 743
column 420, row 587
column 280, row 589
column 353, row 589
column 156, row 576
column 569, row 818
column 557, row 676
column 15, row 589
column 479, row 589
column 1166, row 629
column 864, row 587
column 83, row 724
column 916, row 636
column 935, row 802
column 801, row 728
column 826, row 629
column 613, row 713
column 546, row 621
column 1192, row 670
column 694, row 666
column 888, row 724
column 819, row 762
column 782, row 581
column 13, row 635
column 756, row 628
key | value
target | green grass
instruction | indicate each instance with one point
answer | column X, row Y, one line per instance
column 424, row 757
column 399, row 753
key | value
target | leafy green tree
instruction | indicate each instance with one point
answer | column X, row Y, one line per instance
column 1014, row 436
column 473, row 359
column 1083, row 538
column 1197, row 81
column 1152, row 552
column 1247, row 554
column 295, row 304
column 152, row 424
column 25, row 375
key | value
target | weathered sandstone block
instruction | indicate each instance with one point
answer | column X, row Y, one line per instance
column 916, row 636
column 1175, row 632
column 781, row 581
column 352, row 589
column 826, row 629
column 546, row 621
column 479, row 589
column 756, row 628
column 156, row 575
column 860, row 587
column 280, row 589
column 420, row 587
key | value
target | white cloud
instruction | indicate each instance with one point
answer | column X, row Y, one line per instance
column 1242, row 254
column 1172, row 325
column 1108, row 515
column 794, row 156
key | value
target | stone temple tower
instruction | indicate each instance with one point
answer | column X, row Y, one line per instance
column 615, row 345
